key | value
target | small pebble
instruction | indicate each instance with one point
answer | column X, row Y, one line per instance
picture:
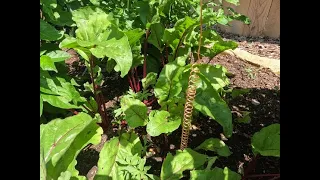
column 255, row 102
column 210, row 131
column 194, row 135
column 172, row 146
column 223, row 138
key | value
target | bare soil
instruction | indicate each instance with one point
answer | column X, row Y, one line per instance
column 263, row 101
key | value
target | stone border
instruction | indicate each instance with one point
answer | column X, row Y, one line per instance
column 272, row 64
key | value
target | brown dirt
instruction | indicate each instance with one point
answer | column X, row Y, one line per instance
column 261, row 46
column 264, row 87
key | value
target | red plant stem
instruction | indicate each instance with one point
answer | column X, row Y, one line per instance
column 130, row 82
column 73, row 111
column 137, row 78
column 162, row 60
column 134, row 81
column 262, row 175
column 148, row 103
column 145, row 54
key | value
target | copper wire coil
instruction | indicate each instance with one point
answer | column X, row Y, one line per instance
column 188, row 108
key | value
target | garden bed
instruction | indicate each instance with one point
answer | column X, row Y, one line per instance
column 263, row 101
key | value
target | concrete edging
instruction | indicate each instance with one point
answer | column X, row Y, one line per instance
column 272, row 64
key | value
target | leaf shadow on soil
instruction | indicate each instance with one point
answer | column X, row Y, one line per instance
column 262, row 115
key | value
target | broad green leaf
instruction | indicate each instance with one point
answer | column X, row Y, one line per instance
column 235, row 2
column 211, row 161
column 58, row 55
column 149, row 80
column 173, row 166
column 68, row 91
column 47, row 64
column 267, row 141
column 68, row 42
column 96, row 31
column 214, row 174
column 116, row 47
column 63, row 139
column 107, row 166
column 131, row 142
column 48, row 32
column 221, row 46
column 84, row 52
column 58, row 101
column 65, row 175
column 168, row 84
column 43, row 169
column 153, row 64
column 135, row 111
column 41, row 105
column 216, row 145
column 155, row 38
column 134, row 35
column 216, row 75
column 175, row 36
column 162, row 122
column 208, row 102
column 143, row 9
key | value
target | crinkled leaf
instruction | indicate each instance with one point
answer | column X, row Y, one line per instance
column 63, row 139
column 116, row 47
column 47, row 64
column 162, row 122
column 58, row 55
column 216, row 75
column 107, row 166
column 168, row 84
column 214, row 174
column 208, row 102
column 149, row 80
column 216, row 145
column 135, row 111
column 155, row 38
column 173, row 166
column 174, row 36
column 267, row 141
column 96, row 31
column 48, row 32
column 58, row 101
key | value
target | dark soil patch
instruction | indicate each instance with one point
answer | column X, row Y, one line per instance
column 264, row 88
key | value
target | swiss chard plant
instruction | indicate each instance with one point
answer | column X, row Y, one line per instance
column 153, row 45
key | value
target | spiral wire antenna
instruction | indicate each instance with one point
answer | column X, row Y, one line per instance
column 191, row 93
column 188, row 107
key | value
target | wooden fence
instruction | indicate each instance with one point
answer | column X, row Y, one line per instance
column 264, row 16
